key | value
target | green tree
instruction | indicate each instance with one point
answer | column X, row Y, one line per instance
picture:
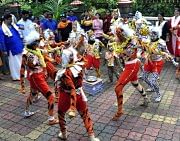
column 57, row 7
column 153, row 8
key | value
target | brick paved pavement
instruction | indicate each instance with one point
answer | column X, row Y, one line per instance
column 159, row 121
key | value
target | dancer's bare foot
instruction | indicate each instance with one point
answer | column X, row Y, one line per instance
column 117, row 116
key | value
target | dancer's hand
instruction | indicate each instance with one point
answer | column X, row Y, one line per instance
column 167, row 56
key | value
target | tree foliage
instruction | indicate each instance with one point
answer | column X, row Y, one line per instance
column 57, row 7
column 153, row 8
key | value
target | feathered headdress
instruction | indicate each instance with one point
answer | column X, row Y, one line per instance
column 126, row 30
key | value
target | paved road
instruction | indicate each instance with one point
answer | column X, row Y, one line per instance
column 159, row 121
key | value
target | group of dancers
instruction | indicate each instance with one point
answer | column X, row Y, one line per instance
column 130, row 44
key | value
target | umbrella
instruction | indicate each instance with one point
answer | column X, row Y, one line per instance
column 14, row 5
column 76, row 2
column 124, row 1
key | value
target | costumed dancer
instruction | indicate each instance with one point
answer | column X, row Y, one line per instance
column 53, row 46
column 71, row 95
column 130, row 71
column 24, row 73
column 115, row 21
column 156, row 51
column 78, row 38
column 143, row 38
column 37, row 78
column 93, row 53
column 51, row 57
column 141, row 28
column 117, row 45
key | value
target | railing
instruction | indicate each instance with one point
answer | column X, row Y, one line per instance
column 154, row 19
column 160, row 1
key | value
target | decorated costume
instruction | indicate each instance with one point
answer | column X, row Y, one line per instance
column 71, row 95
column 156, row 50
column 37, row 78
column 77, row 38
column 130, row 71
column 93, row 54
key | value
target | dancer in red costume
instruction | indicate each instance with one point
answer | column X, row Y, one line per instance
column 92, row 54
column 71, row 95
column 35, row 63
column 130, row 72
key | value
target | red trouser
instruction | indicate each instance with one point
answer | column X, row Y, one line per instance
column 153, row 66
column 51, row 70
column 129, row 74
column 81, row 106
column 92, row 62
column 38, row 82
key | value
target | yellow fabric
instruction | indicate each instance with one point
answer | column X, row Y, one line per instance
column 118, row 46
column 96, row 51
column 144, row 31
column 87, row 22
column 132, row 25
column 38, row 53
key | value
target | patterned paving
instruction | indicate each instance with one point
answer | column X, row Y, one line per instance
column 158, row 122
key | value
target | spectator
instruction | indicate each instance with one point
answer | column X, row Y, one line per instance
column 5, row 68
column 64, row 28
column 110, row 58
column 44, row 17
column 11, row 42
column 27, row 27
column 71, row 17
column 31, row 16
column 174, row 38
column 50, row 23
column 36, row 23
column 115, row 21
column 98, row 26
column 174, row 28
column 161, row 23
column 7, row 11
column 1, row 63
column 86, row 21
column 107, row 22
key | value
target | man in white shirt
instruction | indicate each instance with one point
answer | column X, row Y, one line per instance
column 27, row 27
